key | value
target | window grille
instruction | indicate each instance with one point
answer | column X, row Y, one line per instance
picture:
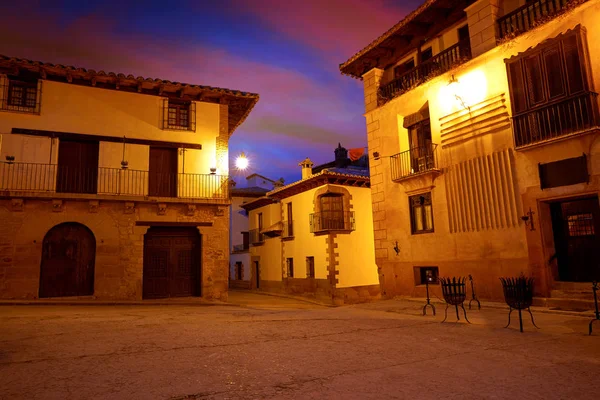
column 22, row 96
column 179, row 115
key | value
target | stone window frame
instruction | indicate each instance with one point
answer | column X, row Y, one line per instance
column 289, row 267
column 347, row 205
column 420, row 200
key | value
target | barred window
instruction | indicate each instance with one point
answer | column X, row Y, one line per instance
column 22, row 94
column 179, row 114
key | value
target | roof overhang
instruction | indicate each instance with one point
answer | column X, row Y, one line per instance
column 424, row 23
column 320, row 179
column 258, row 203
column 239, row 103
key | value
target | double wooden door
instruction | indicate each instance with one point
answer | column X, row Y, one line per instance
column 576, row 225
column 171, row 263
column 68, row 258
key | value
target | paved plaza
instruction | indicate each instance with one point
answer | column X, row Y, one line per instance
column 270, row 347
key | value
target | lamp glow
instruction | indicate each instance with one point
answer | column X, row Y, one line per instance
column 241, row 162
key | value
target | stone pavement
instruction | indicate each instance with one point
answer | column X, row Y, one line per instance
column 269, row 347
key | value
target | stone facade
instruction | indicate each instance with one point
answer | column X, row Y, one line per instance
column 119, row 244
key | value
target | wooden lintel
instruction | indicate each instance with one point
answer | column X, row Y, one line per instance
column 101, row 138
column 172, row 224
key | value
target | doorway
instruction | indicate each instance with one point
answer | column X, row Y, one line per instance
column 68, row 258
column 171, row 263
column 77, row 167
column 257, row 274
column 576, row 229
column 162, row 176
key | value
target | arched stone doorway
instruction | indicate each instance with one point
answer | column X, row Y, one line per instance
column 68, row 258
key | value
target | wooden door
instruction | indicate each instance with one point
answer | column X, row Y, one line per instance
column 77, row 167
column 257, row 274
column 171, row 263
column 162, row 177
column 576, row 227
column 68, row 258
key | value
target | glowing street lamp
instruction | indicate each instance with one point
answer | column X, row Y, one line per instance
column 241, row 163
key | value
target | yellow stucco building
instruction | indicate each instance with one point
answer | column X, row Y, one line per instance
column 314, row 237
column 113, row 186
column 482, row 124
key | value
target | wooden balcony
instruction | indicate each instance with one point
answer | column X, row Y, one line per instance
column 530, row 15
column 568, row 116
column 51, row 178
column 437, row 65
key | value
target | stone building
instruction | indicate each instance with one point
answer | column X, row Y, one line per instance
column 239, row 260
column 314, row 237
column 112, row 186
column 482, row 125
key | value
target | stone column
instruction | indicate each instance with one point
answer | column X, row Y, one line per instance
column 371, row 82
column 481, row 17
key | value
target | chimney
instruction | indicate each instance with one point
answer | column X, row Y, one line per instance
column 341, row 157
column 306, row 168
column 278, row 183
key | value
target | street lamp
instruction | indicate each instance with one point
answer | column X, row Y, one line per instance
column 241, row 162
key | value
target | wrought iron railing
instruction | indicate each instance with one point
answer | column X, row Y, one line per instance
column 414, row 161
column 240, row 247
column 567, row 116
column 288, row 229
column 256, row 237
column 32, row 177
column 332, row 220
column 437, row 65
column 530, row 15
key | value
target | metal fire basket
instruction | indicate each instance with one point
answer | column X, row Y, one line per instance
column 455, row 292
column 518, row 294
column 595, row 289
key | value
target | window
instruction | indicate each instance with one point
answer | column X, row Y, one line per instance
column 402, row 69
column 290, row 267
column 425, row 275
column 550, row 92
column 310, row 267
column 581, row 224
column 179, row 114
column 426, row 54
column 289, row 225
column 421, row 213
column 19, row 95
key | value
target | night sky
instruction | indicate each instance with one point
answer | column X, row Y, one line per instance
column 287, row 51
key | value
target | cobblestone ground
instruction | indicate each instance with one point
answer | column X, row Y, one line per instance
column 281, row 348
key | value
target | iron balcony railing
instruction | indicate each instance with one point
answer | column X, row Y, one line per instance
column 256, row 237
column 567, row 116
column 530, row 15
column 437, row 65
column 414, row 161
column 52, row 178
column 288, row 229
column 332, row 220
column 240, row 248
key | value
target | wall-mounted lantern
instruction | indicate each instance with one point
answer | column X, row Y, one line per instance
column 528, row 219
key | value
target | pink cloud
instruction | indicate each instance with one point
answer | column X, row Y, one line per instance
column 341, row 27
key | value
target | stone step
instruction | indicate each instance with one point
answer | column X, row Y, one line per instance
column 570, row 286
column 564, row 304
column 572, row 294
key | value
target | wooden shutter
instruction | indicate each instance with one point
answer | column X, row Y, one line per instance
column 517, row 87
column 554, row 72
column 534, row 79
column 165, row 113
column 192, row 116
column 574, row 70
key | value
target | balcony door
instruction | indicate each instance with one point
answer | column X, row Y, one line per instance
column 77, row 167
column 162, row 177
column 421, row 156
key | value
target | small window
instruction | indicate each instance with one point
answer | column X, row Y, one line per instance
column 310, row 267
column 179, row 114
column 20, row 96
column 421, row 213
column 581, row 224
column 425, row 275
column 290, row 267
